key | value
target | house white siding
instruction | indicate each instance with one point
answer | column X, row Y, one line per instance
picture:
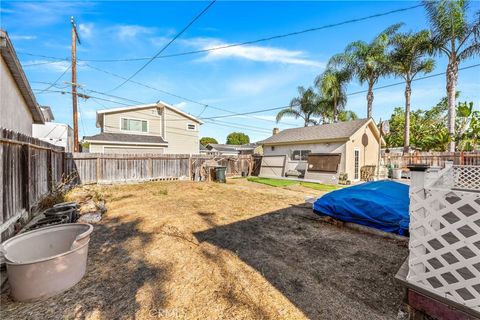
column 15, row 114
column 180, row 139
column 58, row 134
column 153, row 116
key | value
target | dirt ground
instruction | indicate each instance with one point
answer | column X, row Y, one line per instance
column 241, row 250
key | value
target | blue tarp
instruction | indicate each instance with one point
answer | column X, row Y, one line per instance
column 379, row 204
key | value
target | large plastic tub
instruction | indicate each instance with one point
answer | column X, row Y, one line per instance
column 47, row 261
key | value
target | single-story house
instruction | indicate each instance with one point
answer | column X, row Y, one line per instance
column 18, row 107
column 232, row 149
column 322, row 152
column 59, row 134
column 149, row 128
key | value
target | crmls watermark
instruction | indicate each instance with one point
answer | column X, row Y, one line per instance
column 168, row 313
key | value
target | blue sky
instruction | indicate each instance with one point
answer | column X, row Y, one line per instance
column 241, row 79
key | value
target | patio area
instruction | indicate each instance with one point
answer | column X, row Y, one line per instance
column 241, row 250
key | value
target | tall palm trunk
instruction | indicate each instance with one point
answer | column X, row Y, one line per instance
column 408, row 94
column 369, row 100
column 452, row 77
column 335, row 110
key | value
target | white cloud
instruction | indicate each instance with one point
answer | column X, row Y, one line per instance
column 23, row 37
column 85, row 30
column 53, row 66
column 125, row 32
column 88, row 114
column 253, row 53
column 181, row 105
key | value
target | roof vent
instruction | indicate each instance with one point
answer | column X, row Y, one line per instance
column 275, row 131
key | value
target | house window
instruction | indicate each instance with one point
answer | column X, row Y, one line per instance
column 272, row 148
column 300, row 155
column 134, row 125
column 356, row 172
column 191, row 127
column 324, row 162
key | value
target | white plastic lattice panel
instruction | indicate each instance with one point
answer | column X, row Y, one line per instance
column 466, row 177
column 445, row 244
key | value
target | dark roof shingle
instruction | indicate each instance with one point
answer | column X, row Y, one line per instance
column 339, row 130
column 123, row 137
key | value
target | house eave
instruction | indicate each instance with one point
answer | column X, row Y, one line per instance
column 10, row 57
column 306, row 141
column 126, row 143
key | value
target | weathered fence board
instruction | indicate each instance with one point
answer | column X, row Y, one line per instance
column 28, row 169
column 433, row 159
column 115, row 168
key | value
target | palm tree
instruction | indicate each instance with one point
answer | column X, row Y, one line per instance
column 457, row 38
column 347, row 115
column 367, row 62
column 332, row 84
column 305, row 106
column 407, row 61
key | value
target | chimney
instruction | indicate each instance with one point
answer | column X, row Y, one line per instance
column 275, row 131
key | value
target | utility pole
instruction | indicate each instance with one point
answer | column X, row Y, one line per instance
column 75, row 38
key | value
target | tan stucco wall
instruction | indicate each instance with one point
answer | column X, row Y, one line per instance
column 112, row 121
column 180, row 140
column 336, row 147
column 368, row 154
column 106, row 148
column 14, row 112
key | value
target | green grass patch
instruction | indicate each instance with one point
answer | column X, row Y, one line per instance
column 319, row 186
column 286, row 183
column 273, row 182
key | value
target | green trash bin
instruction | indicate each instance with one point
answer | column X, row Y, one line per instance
column 220, row 174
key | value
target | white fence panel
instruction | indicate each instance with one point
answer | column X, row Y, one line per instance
column 445, row 236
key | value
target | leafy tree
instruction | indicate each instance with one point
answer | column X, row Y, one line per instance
column 367, row 62
column 306, row 105
column 347, row 115
column 207, row 140
column 457, row 38
column 467, row 134
column 407, row 61
column 332, row 84
column 238, row 138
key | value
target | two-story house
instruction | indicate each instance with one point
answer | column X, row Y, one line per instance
column 150, row 128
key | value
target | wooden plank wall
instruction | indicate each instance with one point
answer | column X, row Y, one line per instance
column 435, row 159
column 29, row 168
column 124, row 168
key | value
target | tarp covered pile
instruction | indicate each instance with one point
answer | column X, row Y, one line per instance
column 379, row 204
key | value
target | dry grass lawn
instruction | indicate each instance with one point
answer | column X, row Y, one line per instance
column 241, row 250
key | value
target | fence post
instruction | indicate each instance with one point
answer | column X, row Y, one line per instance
column 190, row 167
column 150, row 168
column 49, row 170
column 25, row 160
column 98, row 171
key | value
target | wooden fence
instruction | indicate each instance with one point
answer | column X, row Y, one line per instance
column 29, row 168
column 124, row 168
column 434, row 159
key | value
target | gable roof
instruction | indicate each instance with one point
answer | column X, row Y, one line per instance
column 11, row 60
column 231, row 147
column 158, row 104
column 325, row 132
column 125, row 138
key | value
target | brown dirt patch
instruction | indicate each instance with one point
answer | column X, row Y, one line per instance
column 241, row 250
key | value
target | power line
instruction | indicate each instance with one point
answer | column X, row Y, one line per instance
column 39, row 63
column 179, row 96
column 167, row 45
column 295, row 33
column 58, row 79
column 416, row 79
